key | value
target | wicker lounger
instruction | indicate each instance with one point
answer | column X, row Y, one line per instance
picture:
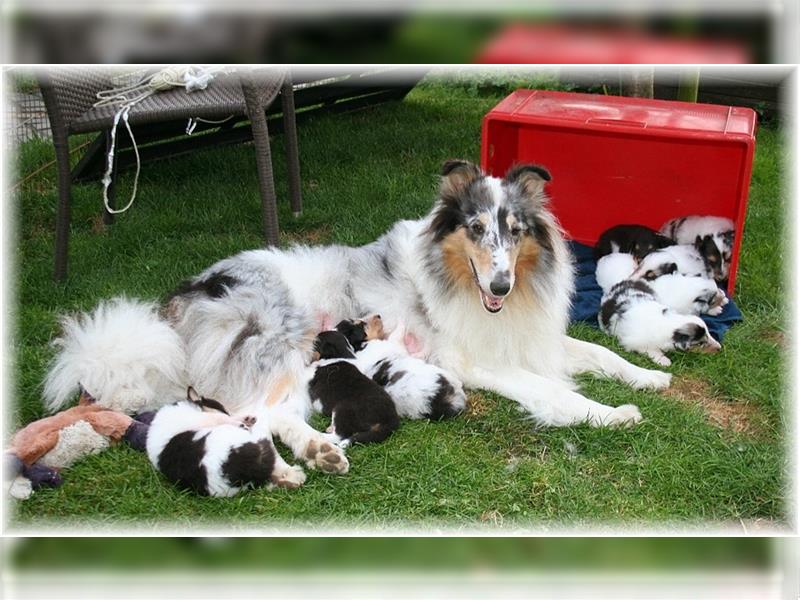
column 70, row 93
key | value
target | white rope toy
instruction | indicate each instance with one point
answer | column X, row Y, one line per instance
column 191, row 78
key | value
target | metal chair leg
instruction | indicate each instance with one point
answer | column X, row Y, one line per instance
column 290, row 139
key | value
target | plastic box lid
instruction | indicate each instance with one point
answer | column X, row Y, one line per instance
column 618, row 111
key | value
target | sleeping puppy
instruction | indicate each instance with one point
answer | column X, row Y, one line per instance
column 419, row 389
column 197, row 445
column 712, row 236
column 360, row 409
column 630, row 239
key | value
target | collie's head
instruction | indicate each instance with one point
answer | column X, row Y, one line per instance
column 492, row 233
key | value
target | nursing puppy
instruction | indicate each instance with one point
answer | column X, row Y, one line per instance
column 360, row 409
column 631, row 312
column 420, row 390
column 630, row 239
column 198, row 446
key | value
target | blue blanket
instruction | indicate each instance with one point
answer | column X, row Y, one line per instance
column 586, row 302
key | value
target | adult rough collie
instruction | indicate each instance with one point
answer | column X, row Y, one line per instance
column 483, row 283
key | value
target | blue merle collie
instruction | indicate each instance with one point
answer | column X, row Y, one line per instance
column 484, row 281
column 360, row 409
column 198, row 446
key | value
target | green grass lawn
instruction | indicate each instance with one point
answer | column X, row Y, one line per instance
column 711, row 449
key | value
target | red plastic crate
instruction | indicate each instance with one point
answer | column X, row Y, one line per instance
column 560, row 44
column 627, row 160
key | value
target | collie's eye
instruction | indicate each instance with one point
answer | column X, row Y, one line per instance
column 477, row 228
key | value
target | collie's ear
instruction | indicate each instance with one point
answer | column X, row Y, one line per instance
column 531, row 178
column 457, row 175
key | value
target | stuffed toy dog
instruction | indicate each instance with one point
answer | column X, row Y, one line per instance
column 41, row 449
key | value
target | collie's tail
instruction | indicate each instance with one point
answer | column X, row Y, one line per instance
column 122, row 353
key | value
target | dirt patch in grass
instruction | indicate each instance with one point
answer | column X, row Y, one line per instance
column 775, row 337
column 477, row 404
column 314, row 235
column 737, row 416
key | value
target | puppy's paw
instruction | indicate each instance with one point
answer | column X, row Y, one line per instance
column 662, row 360
column 290, row 477
column 325, row 456
column 623, row 416
column 714, row 311
column 248, row 421
column 651, row 379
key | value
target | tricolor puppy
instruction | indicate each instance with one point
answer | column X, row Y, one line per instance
column 360, row 409
column 630, row 239
column 683, row 258
column 689, row 295
column 712, row 236
column 198, row 446
column 685, row 294
column 631, row 313
column 419, row 389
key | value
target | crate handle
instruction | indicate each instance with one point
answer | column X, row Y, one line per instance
column 626, row 122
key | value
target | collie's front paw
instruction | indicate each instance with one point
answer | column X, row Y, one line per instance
column 623, row 416
column 325, row 456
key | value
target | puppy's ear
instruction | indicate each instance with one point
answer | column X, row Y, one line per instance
column 193, row 396
column 686, row 336
column 530, row 178
column 456, row 177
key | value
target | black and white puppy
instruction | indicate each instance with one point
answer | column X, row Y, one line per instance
column 630, row 239
column 198, row 446
column 419, row 389
column 712, row 236
column 685, row 259
column 631, row 312
column 685, row 294
column 360, row 409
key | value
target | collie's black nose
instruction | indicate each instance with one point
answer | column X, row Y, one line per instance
column 500, row 286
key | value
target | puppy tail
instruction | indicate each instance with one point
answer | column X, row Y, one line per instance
column 122, row 353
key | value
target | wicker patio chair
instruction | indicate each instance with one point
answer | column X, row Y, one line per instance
column 69, row 95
